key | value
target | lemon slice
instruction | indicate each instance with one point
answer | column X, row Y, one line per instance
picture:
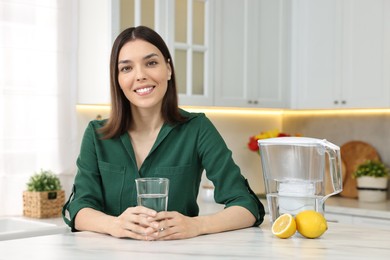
column 311, row 224
column 284, row 226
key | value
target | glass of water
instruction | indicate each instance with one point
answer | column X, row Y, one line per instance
column 153, row 193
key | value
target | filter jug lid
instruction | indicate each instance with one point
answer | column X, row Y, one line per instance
column 306, row 141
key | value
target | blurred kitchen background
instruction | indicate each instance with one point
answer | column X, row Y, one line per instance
column 320, row 68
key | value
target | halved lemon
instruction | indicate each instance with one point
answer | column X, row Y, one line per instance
column 284, row 226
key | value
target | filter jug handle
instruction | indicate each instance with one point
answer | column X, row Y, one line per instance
column 334, row 156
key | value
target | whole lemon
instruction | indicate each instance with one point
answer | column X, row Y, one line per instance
column 311, row 224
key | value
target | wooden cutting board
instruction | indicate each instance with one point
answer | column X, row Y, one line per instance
column 353, row 154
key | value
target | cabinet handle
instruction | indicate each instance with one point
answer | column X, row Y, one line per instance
column 336, row 102
column 255, row 102
column 343, row 102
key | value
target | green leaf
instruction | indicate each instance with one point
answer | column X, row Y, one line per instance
column 371, row 168
column 45, row 180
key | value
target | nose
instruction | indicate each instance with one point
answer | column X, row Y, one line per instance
column 140, row 76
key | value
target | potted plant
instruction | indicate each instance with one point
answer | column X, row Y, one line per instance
column 372, row 181
column 44, row 197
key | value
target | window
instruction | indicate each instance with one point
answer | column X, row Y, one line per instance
column 38, row 66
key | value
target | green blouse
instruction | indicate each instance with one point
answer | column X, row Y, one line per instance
column 107, row 170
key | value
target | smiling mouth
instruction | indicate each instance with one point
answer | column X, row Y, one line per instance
column 145, row 90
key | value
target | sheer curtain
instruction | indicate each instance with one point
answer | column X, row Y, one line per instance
column 38, row 76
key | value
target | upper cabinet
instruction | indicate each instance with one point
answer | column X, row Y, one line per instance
column 190, row 36
column 297, row 54
column 98, row 23
column 340, row 53
column 251, row 53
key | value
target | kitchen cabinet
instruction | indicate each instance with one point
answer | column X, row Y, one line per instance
column 190, row 40
column 340, row 54
column 251, row 53
column 296, row 54
column 98, row 25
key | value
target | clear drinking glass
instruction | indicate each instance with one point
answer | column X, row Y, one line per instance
column 153, row 193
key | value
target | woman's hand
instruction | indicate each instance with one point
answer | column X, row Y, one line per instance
column 135, row 222
column 146, row 224
column 173, row 225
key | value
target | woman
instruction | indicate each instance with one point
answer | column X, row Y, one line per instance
column 147, row 135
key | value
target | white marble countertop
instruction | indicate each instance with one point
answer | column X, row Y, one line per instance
column 339, row 242
column 354, row 207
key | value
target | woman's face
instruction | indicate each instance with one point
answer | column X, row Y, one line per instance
column 143, row 74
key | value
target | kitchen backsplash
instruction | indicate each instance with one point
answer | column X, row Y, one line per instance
column 372, row 128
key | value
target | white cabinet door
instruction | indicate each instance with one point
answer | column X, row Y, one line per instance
column 191, row 38
column 97, row 27
column 366, row 53
column 315, row 41
column 340, row 53
column 251, row 51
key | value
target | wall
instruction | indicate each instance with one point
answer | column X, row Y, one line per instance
column 369, row 126
column 339, row 128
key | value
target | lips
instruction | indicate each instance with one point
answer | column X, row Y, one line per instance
column 144, row 90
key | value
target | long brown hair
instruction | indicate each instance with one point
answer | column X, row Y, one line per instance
column 120, row 118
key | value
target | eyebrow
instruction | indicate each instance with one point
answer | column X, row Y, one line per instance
column 144, row 58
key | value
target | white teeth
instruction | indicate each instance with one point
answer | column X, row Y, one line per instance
column 144, row 90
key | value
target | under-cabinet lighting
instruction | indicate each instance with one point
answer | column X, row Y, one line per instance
column 261, row 111
column 330, row 112
column 233, row 111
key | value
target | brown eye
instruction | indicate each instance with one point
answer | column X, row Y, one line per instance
column 125, row 69
column 152, row 63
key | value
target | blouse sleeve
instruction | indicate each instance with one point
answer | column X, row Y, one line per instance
column 87, row 188
column 231, row 188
